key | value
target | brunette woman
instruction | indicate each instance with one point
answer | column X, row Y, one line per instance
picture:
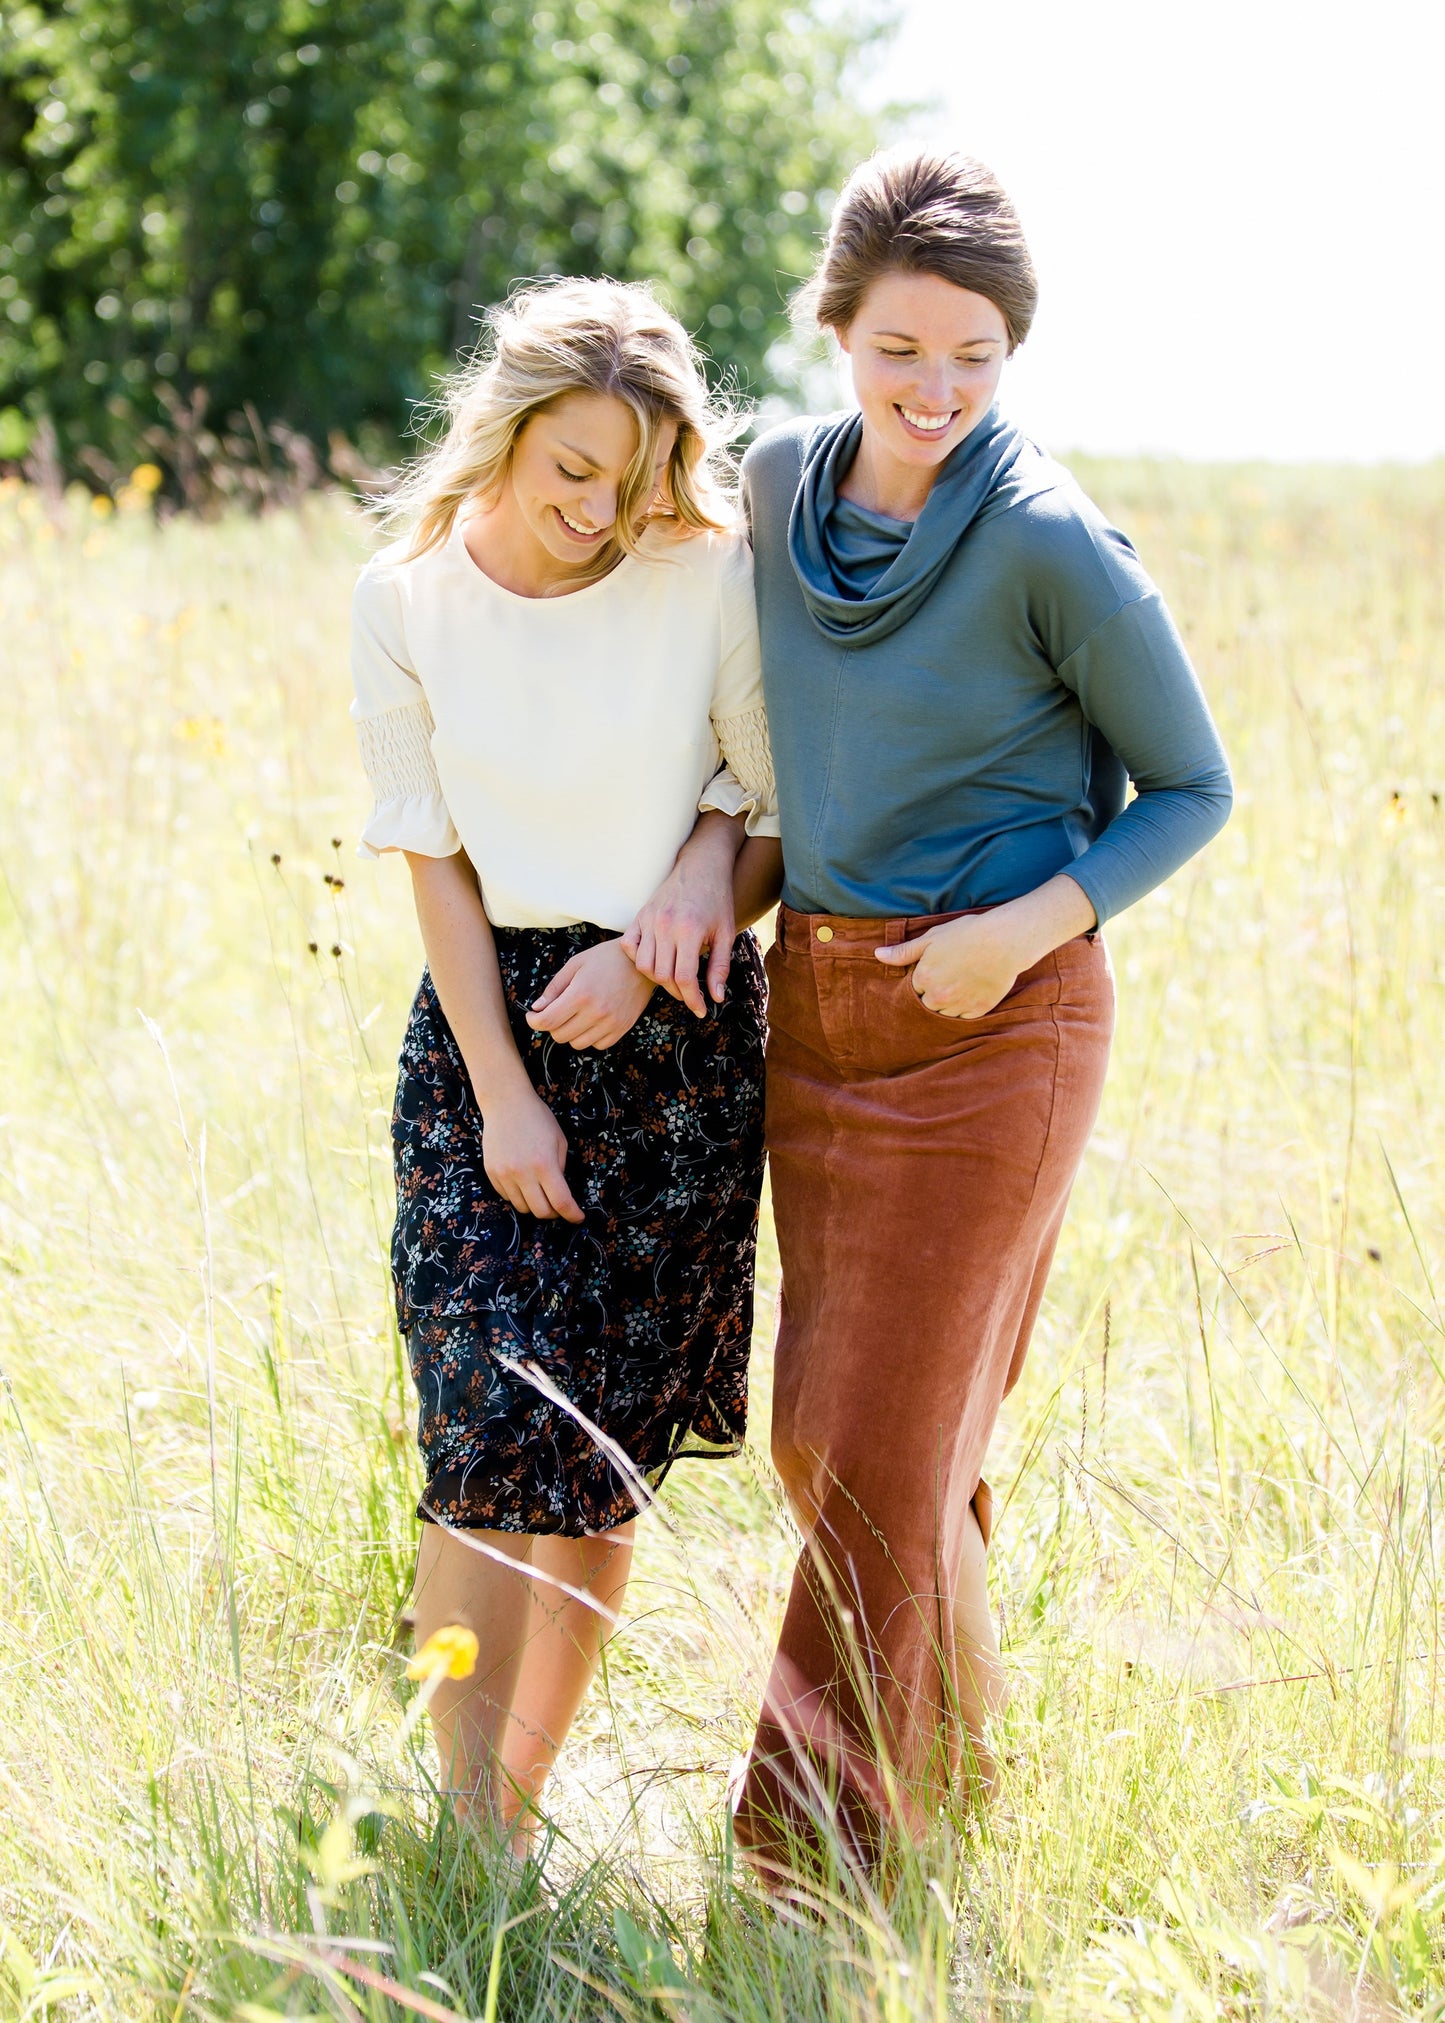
column 964, row 665
column 554, row 669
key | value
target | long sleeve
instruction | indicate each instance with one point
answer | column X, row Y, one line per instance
column 1135, row 684
column 394, row 729
column 745, row 780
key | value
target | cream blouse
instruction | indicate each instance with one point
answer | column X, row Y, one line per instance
column 566, row 743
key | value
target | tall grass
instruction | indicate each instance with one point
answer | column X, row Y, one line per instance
column 1218, row 1561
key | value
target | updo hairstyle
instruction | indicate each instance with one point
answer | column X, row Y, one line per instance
column 924, row 212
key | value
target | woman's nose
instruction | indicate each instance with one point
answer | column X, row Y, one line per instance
column 935, row 389
column 599, row 506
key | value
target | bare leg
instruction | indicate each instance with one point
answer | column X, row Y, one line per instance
column 982, row 1686
column 564, row 1642
column 457, row 1584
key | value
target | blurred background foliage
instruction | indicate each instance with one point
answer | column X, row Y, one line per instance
column 234, row 229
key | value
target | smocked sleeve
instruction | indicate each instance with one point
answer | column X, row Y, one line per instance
column 394, row 730
column 744, row 782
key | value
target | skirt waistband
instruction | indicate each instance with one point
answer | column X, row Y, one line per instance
column 847, row 936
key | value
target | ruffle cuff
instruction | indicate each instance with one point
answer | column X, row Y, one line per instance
column 416, row 822
column 745, row 781
column 408, row 810
column 729, row 796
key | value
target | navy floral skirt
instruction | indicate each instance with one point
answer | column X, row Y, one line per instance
column 559, row 1366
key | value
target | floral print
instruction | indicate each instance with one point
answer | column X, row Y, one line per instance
column 560, row 1367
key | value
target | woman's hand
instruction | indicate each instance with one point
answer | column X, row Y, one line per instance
column 967, row 967
column 691, row 915
column 593, row 999
column 960, row 968
column 524, row 1150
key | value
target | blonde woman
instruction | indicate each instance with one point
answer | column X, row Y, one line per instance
column 555, row 670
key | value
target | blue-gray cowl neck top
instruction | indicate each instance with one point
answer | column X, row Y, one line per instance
column 836, row 544
column 957, row 705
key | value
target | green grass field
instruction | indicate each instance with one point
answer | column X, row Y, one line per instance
column 1218, row 1562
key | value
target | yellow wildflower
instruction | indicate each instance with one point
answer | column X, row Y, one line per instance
column 147, row 477
column 448, row 1653
column 1395, row 813
column 207, row 731
column 102, row 505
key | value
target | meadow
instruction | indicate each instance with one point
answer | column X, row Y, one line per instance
column 1218, row 1565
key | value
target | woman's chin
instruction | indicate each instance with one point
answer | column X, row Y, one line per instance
column 914, row 450
column 912, row 447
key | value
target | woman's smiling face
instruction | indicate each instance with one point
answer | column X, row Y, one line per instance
column 567, row 468
column 926, row 358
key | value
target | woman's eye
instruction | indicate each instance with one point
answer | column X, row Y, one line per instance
column 577, row 477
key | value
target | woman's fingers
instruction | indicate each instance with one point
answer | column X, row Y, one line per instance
column 543, row 1193
column 686, row 962
column 534, row 1198
column 901, row 953
column 555, row 1012
column 571, row 1016
column 720, row 962
column 599, row 1033
column 570, row 1035
column 560, row 1198
column 643, row 949
column 557, row 985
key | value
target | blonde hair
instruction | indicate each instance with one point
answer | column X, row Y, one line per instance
column 550, row 339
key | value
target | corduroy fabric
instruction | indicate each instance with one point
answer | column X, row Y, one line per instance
column 921, row 1166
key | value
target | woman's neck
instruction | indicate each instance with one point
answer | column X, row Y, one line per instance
column 883, row 483
column 505, row 549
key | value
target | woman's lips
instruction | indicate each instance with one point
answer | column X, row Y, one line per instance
column 921, row 434
column 572, row 533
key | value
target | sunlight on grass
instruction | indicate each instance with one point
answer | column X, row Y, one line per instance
column 1224, row 1763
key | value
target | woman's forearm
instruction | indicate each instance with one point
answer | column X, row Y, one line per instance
column 462, row 958
column 757, row 879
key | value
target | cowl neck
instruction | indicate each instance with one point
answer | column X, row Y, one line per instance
column 969, row 478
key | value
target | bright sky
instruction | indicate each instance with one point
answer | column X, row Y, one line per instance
column 1237, row 210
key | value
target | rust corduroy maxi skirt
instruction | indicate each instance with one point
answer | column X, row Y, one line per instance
column 921, row 1166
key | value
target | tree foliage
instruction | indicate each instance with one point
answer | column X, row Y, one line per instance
column 298, row 204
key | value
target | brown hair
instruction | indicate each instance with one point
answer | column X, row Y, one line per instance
column 924, row 212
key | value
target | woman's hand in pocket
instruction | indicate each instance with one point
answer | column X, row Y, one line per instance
column 960, row 969
column 593, row 999
column 524, row 1150
column 965, row 968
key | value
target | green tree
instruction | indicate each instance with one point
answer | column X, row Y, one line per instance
column 297, row 205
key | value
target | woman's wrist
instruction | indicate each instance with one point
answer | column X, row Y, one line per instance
column 500, row 1083
column 1034, row 925
column 715, row 842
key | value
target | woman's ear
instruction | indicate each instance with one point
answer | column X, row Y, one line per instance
column 665, row 495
